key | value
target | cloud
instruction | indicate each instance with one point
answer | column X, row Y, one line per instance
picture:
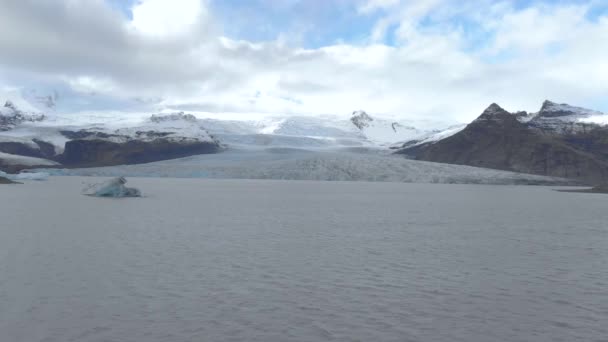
column 162, row 18
column 447, row 60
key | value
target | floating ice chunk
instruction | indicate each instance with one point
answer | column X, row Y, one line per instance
column 112, row 188
column 36, row 176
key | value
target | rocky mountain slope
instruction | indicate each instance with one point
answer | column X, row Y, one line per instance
column 560, row 140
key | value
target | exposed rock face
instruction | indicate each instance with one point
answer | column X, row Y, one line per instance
column 98, row 152
column 498, row 140
column 361, row 119
column 40, row 149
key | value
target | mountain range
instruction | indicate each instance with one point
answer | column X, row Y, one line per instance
column 558, row 141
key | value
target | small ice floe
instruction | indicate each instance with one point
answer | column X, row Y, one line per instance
column 599, row 189
column 4, row 180
column 112, row 188
column 35, row 176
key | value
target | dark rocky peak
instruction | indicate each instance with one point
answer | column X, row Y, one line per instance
column 494, row 109
column 10, row 104
column 547, row 105
column 521, row 114
column 361, row 119
column 494, row 113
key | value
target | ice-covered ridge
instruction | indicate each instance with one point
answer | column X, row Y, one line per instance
column 175, row 127
column 437, row 136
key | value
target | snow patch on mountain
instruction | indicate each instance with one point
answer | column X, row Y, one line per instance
column 385, row 132
column 434, row 137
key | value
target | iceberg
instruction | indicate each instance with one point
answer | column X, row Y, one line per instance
column 112, row 188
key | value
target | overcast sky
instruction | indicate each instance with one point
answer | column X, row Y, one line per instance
column 436, row 59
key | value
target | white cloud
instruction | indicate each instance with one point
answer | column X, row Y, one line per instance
column 171, row 51
column 534, row 28
column 167, row 18
column 86, row 84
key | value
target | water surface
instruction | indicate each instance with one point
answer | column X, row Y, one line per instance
column 234, row 260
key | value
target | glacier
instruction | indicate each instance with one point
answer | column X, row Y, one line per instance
column 369, row 165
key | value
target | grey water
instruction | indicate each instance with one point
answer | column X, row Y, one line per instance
column 237, row 260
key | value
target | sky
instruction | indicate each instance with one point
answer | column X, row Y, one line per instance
column 422, row 59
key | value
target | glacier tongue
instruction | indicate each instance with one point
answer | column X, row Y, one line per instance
column 294, row 164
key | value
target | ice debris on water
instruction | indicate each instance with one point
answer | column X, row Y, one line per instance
column 36, row 176
column 112, row 188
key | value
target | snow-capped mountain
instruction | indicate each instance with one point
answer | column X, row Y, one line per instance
column 94, row 142
column 11, row 116
column 563, row 118
column 176, row 127
column 560, row 140
column 110, row 138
